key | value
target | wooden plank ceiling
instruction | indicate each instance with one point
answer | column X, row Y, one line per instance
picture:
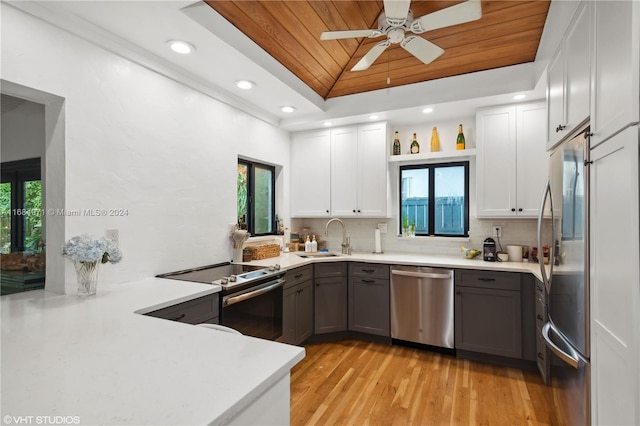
column 507, row 34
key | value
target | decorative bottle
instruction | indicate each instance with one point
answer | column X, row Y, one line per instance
column 435, row 140
column 415, row 146
column 460, row 140
column 397, row 149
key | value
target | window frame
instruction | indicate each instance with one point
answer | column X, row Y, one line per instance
column 17, row 173
column 431, row 206
column 251, row 166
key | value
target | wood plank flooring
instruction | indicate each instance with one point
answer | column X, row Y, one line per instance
column 352, row 382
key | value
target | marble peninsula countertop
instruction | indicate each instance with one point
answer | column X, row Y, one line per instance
column 94, row 360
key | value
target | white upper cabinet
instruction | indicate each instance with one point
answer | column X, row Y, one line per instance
column 511, row 160
column 568, row 76
column 340, row 173
column 616, row 70
column 344, row 172
column 311, row 174
column 372, row 171
column 359, row 171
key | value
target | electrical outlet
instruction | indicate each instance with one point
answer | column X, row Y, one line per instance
column 383, row 228
column 113, row 235
column 497, row 230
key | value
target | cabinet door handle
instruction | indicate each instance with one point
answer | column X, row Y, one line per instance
column 520, row 210
column 359, row 211
column 513, row 210
column 486, row 279
column 327, row 211
column 539, row 317
column 540, row 356
column 458, row 292
column 297, row 276
column 368, row 280
column 354, row 210
column 179, row 317
column 368, row 271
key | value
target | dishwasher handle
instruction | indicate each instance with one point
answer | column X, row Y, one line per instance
column 435, row 275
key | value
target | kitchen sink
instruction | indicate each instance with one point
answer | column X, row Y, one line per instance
column 318, row 254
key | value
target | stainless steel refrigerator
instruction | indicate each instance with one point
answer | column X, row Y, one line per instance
column 563, row 233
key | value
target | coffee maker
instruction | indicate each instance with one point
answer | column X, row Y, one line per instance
column 489, row 250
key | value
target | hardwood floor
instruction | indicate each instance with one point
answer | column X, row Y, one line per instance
column 352, row 382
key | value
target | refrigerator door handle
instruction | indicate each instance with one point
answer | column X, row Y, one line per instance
column 546, row 279
column 569, row 355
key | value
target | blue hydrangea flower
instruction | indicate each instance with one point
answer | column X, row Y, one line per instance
column 87, row 248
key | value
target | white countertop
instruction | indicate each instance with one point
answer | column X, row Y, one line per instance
column 292, row 260
column 96, row 359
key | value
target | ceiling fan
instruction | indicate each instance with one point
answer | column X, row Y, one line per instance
column 397, row 18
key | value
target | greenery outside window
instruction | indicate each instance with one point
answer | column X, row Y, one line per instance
column 21, row 204
column 256, row 197
column 434, row 199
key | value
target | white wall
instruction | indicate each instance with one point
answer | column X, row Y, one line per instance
column 22, row 135
column 137, row 141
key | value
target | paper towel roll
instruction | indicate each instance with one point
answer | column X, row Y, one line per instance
column 515, row 252
column 378, row 244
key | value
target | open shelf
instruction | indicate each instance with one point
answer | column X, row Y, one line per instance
column 431, row 157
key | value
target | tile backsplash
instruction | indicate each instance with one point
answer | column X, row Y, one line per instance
column 514, row 231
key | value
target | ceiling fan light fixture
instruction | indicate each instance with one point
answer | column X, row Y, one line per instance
column 287, row 109
column 181, row 47
column 245, row 84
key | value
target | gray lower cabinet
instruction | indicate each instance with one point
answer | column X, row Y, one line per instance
column 204, row 309
column 330, row 301
column 488, row 314
column 297, row 307
column 369, row 299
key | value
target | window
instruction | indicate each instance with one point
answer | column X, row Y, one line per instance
column 21, row 203
column 434, row 199
column 256, row 197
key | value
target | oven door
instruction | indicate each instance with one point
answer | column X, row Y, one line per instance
column 256, row 311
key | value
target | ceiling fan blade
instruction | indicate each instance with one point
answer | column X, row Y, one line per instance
column 470, row 10
column 421, row 48
column 396, row 11
column 334, row 35
column 371, row 56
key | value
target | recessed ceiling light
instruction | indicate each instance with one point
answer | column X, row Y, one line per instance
column 427, row 110
column 373, row 117
column 181, row 47
column 245, row 84
column 518, row 97
column 287, row 109
column 327, row 123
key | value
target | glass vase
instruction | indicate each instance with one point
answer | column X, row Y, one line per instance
column 87, row 274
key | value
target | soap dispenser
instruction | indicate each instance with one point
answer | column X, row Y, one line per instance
column 314, row 244
column 307, row 245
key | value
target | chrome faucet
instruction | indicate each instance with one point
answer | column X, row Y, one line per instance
column 346, row 239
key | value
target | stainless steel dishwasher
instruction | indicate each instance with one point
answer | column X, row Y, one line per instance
column 422, row 305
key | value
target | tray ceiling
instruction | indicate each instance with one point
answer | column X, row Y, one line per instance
column 507, row 34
